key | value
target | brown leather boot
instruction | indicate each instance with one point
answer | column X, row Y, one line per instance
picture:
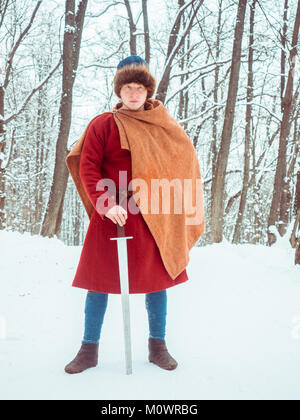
column 86, row 357
column 158, row 354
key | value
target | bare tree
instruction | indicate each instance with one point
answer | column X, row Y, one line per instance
column 176, row 41
column 237, row 230
column 2, row 168
column 132, row 28
column 146, row 31
column 214, row 153
column 3, row 86
column 71, row 48
column 295, row 236
column 283, row 51
column 218, row 187
column 278, row 210
column 183, row 63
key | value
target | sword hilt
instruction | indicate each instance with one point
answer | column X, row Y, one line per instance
column 121, row 233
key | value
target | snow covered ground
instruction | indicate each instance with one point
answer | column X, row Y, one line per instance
column 234, row 327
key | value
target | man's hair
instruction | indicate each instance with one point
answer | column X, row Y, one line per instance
column 134, row 74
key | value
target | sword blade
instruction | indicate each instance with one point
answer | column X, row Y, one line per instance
column 123, row 270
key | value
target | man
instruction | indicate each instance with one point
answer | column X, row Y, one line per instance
column 137, row 143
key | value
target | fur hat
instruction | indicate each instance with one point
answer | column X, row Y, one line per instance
column 134, row 69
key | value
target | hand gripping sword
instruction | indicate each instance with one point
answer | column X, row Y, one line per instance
column 123, row 270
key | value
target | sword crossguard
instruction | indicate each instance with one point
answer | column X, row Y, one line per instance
column 122, row 237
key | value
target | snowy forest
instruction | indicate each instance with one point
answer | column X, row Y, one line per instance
column 227, row 71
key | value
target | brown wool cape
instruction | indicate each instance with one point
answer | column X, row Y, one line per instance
column 162, row 155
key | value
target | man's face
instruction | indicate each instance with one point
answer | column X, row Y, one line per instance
column 133, row 96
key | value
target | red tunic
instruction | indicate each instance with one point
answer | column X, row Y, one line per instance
column 98, row 270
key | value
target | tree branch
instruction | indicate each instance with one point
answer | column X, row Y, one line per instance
column 37, row 88
column 17, row 44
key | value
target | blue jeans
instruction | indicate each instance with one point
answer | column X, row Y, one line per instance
column 95, row 308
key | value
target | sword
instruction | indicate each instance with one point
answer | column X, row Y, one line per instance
column 123, row 270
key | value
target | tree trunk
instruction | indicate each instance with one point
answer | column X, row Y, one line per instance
column 77, row 213
column 2, row 168
column 182, row 65
column 295, row 149
column 297, row 227
column 71, row 47
column 283, row 51
column 214, row 149
column 278, row 211
column 146, row 31
column 132, row 29
column 295, row 236
column 39, row 145
column 238, row 225
column 218, row 187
